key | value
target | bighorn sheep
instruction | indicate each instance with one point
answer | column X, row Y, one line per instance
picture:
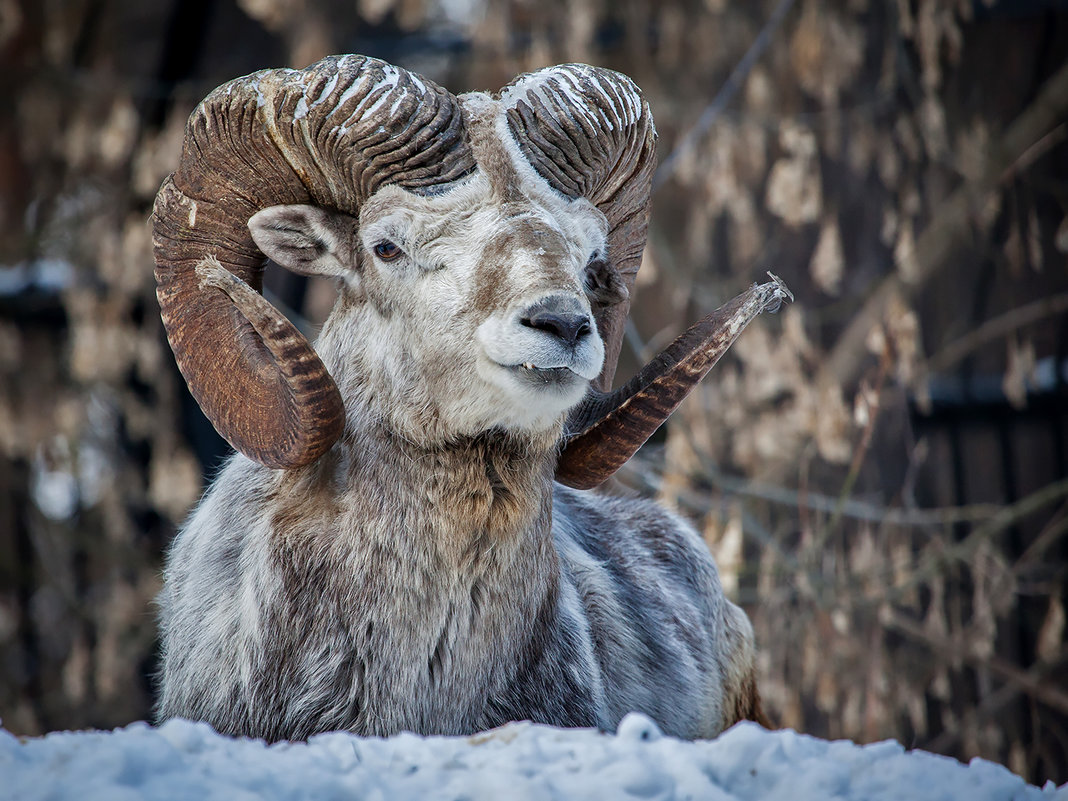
column 389, row 550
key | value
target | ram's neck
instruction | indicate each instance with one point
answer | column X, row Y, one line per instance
column 464, row 476
column 420, row 574
column 493, row 487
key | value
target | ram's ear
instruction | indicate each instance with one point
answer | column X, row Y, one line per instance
column 305, row 239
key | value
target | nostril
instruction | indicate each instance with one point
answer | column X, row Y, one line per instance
column 568, row 327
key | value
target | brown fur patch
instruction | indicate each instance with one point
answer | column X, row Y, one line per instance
column 306, row 500
column 521, row 234
column 745, row 704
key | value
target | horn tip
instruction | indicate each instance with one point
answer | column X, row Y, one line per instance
column 775, row 293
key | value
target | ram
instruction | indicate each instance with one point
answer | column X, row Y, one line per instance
column 389, row 550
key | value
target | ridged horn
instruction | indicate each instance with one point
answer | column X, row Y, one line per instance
column 589, row 133
column 608, row 428
column 329, row 135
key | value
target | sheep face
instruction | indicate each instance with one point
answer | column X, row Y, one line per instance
column 469, row 311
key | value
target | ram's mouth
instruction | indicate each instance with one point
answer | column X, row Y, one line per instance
column 543, row 376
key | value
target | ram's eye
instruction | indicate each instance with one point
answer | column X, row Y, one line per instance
column 387, row 251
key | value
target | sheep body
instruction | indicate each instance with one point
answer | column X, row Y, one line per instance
column 350, row 620
column 418, row 568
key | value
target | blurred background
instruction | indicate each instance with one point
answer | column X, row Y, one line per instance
column 881, row 469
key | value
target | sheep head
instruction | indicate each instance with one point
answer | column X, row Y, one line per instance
column 487, row 239
column 461, row 312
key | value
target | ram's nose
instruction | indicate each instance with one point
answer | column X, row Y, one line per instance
column 560, row 316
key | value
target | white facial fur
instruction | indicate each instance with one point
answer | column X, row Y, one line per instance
column 439, row 325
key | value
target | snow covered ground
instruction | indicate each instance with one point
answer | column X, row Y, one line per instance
column 182, row 760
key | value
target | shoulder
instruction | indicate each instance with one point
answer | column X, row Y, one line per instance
column 592, row 517
column 632, row 533
column 208, row 546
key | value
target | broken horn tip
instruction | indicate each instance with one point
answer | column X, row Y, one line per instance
column 777, row 293
column 781, row 288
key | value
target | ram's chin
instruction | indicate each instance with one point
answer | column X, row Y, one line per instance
column 532, row 398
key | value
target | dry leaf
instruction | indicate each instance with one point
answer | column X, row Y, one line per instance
column 174, row 482
column 937, row 32
column 903, row 333
column 759, row 91
column 827, row 260
column 1051, row 635
column 794, row 192
column 834, row 425
column 826, row 691
column 932, row 118
column 865, row 405
column 972, row 150
column 1061, row 238
column 906, row 139
column 726, row 544
column 906, row 21
column 116, row 140
column 888, row 163
column 905, row 253
column 1018, row 761
column 826, row 52
column 888, row 230
column 1018, row 373
column 794, row 189
column 272, row 14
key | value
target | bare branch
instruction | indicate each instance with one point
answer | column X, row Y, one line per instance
column 1024, row 681
column 639, row 475
column 996, row 328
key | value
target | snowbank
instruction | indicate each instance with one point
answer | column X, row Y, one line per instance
column 182, row 760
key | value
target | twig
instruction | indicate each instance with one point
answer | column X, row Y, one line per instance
column 724, row 96
column 961, row 551
column 1036, row 151
column 862, row 449
column 997, row 519
column 1050, row 533
column 996, row 328
column 994, row 519
column 852, row 508
column 649, row 481
column 1051, row 695
column 699, row 503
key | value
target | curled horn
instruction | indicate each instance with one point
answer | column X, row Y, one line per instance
column 329, row 135
column 589, row 133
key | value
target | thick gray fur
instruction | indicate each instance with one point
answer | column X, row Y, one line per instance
column 363, row 619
